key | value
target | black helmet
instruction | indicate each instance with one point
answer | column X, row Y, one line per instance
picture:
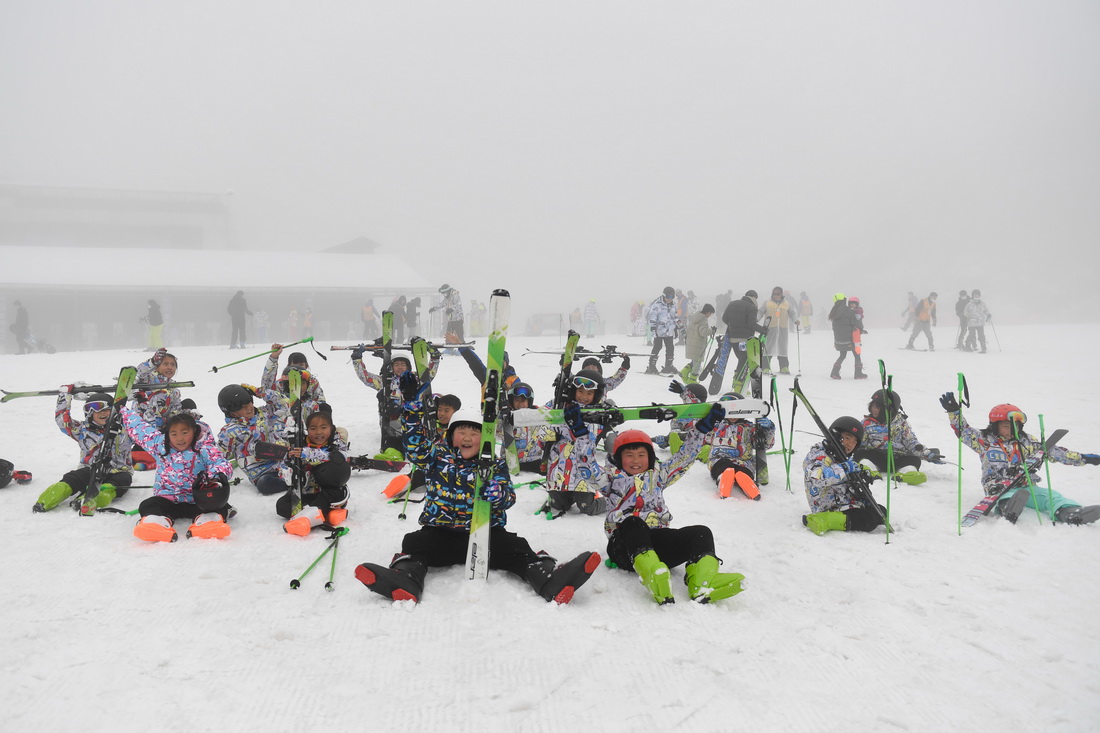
column 847, row 424
column 669, row 292
column 232, row 398
column 7, row 470
column 211, row 493
column 521, row 389
column 698, row 390
column 587, row 379
column 95, row 402
column 894, row 404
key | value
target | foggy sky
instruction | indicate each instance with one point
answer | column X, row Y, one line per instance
column 594, row 148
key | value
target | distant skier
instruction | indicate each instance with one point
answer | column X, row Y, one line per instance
column 237, row 310
column 910, row 310
column 977, row 315
column 805, row 311
column 452, row 308
column 960, row 311
column 845, row 325
column 925, row 319
column 21, row 328
column 591, row 317
column 155, row 320
column 777, row 312
column 662, row 319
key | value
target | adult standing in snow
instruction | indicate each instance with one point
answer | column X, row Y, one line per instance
column 412, row 317
column 155, row 320
column 741, row 325
column 910, row 311
column 845, row 326
column 977, row 315
column 723, row 300
column 960, row 311
column 452, row 308
column 237, row 310
column 926, row 318
column 777, row 311
column 805, row 311
column 591, row 317
column 21, row 328
column 662, row 319
column 699, row 332
column 397, row 307
column 369, row 317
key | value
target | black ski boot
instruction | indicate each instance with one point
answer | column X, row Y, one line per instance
column 1014, row 505
column 403, row 580
column 560, row 583
column 652, row 368
column 1078, row 514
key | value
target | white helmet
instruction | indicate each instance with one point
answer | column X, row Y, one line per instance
column 465, row 416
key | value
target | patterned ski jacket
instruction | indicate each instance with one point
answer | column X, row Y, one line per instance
column 531, row 440
column 875, row 435
column 335, row 452
column 643, row 496
column 976, row 313
column 90, row 437
column 238, row 437
column 1002, row 459
column 662, row 317
column 312, row 394
column 573, row 464
column 452, row 305
column 615, row 379
column 827, row 488
column 590, row 312
column 155, row 406
column 738, row 441
column 176, row 471
column 450, row 478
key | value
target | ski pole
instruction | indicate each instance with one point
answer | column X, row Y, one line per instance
column 297, row 582
column 308, row 339
column 782, row 438
column 887, row 382
column 336, row 535
column 1046, row 465
column 995, row 336
column 406, row 504
column 1027, row 473
column 798, row 347
column 964, row 401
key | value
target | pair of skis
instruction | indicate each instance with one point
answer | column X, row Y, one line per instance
column 90, row 389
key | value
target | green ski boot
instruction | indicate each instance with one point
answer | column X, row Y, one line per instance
column 655, row 576
column 913, row 478
column 706, row 584
column 823, row 522
column 52, row 496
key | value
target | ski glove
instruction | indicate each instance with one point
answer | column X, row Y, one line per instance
column 949, row 402
column 706, row 423
column 676, row 387
column 65, row 389
column 933, row 455
column 158, row 356
column 410, row 385
column 574, row 420
column 765, row 424
column 357, row 355
column 850, row 466
column 626, row 362
column 1091, row 459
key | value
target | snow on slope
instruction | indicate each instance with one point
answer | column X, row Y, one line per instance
column 993, row 630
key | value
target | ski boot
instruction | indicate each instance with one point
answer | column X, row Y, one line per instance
column 559, row 583
column 87, row 506
column 706, row 584
column 208, row 526
column 859, row 374
column 1078, row 514
column 732, row 477
column 1014, row 506
column 823, row 522
column 913, row 478
column 670, row 370
column 654, row 575
column 155, row 528
column 302, row 522
column 403, row 580
column 52, row 496
column 652, row 368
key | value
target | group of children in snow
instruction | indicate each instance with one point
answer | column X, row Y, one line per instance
column 192, row 471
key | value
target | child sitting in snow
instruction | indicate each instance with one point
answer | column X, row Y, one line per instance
column 312, row 394
column 908, row 451
column 1005, row 449
column 574, row 474
column 156, row 406
column 450, row 468
column 835, row 502
column 326, row 471
column 89, row 436
column 733, row 446
column 191, row 480
column 637, row 523
column 254, row 437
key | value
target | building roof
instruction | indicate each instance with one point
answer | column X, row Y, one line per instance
column 172, row 269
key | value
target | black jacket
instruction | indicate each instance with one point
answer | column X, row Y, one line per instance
column 740, row 319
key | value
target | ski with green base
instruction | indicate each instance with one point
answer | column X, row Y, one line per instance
column 102, row 462
column 477, row 551
column 611, row 416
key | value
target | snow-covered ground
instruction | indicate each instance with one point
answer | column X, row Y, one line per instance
column 992, row 630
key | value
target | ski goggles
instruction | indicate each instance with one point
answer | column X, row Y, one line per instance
column 97, row 406
column 525, row 392
column 586, row 383
column 1017, row 417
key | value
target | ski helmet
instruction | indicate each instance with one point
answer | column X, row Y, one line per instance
column 629, row 438
column 894, row 405
column 962, row 294
column 669, row 292
column 698, row 391
column 408, row 364
column 7, row 470
column 837, row 297
column 592, row 363
column 210, row 493
column 444, row 288
column 847, row 424
column 854, row 299
column 976, row 294
column 232, row 398
column 95, row 402
column 1007, row 411
column 522, row 389
column 587, row 379
column 465, row 416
